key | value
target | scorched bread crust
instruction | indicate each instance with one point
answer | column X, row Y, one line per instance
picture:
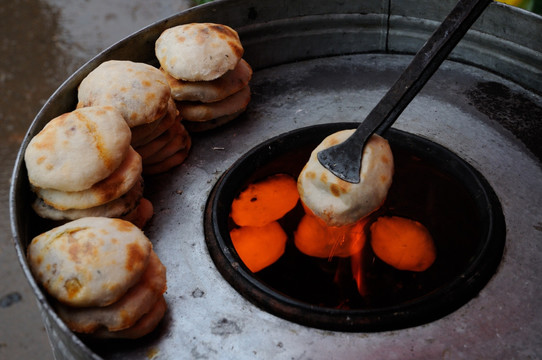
column 91, row 261
column 338, row 202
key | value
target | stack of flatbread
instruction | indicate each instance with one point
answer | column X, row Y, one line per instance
column 81, row 164
column 86, row 168
column 104, row 276
column 142, row 95
column 208, row 78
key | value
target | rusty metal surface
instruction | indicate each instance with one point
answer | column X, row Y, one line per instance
column 313, row 79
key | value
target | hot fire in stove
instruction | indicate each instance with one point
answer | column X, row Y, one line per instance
column 419, row 256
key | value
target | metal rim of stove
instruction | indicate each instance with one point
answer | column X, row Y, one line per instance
column 429, row 307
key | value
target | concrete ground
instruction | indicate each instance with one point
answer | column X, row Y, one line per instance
column 42, row 43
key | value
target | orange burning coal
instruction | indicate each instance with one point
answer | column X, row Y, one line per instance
column 259, row 246
column 260, row 240
column 265, row 201
column 314, row 238
column 403, row 243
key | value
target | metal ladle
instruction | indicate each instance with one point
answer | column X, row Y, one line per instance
column 344, row 159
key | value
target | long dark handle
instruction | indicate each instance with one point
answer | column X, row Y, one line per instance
column 346, row 164
column 425, row 63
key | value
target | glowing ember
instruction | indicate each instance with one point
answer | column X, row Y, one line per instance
column 265, row 201
column 314, row 238
column 259, row 246
column 346, row 267
column 260, row 240
column 356, row 263
column 403, row 243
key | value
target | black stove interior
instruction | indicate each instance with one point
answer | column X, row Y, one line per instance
column 431, row 185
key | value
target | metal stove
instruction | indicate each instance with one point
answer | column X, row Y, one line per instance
column 319, row 62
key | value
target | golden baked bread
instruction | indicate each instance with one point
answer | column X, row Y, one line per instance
column 339, row 202
column 171, row 116
column 168, row 163
column 179, row 141
column 141, row 214
column 126, row 311
column 198, row 111
column 198, row 51
column 77, row 149
column 214, row 90
column 147, row 323
column 102, row 192
column 116, row 208
column 201, row 126
column 140, row 132
column 91, row 261
column 154, row 146
column 138, row 90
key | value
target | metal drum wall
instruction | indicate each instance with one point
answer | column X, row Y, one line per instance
column 318, row 62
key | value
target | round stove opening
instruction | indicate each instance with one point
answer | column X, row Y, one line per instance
column 359, row 291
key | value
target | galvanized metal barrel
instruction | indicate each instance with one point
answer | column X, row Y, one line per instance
column 317, row 62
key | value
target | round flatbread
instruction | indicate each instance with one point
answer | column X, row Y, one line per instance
column 116, row 208
column 138, row 90
column 198, row 111
column 77, row 149
column 172, row 115
column 174, row 160
column 142, row 327
column 153, row 146
column 214, row 90
column 142, row 131
column 141, row 214
column 198, row 51
column 90, row 261
column 339, row 202
column 200, row 126
column 110, row 188
column 180, row 140
column 126, row 311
